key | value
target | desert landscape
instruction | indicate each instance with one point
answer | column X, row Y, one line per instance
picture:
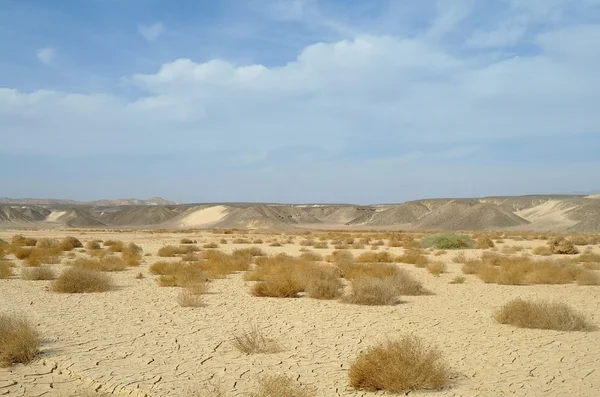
column 347, row 311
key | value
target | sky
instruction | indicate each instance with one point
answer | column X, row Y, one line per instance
column 354, row 101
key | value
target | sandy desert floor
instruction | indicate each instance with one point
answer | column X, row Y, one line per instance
column 136, row 340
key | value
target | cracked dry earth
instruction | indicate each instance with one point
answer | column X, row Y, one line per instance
column 137, row 341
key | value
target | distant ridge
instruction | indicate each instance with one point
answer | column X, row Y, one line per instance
column 130, row 201
column 572, row 213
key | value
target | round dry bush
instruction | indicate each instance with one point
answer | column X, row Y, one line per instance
column 399, row 365
column 447, row 241
column 560, row 245
column 37, row 273
column 77, row 280
column 278, row 286
column 69, row 243
column 372, row 291
column 542, row 315
column 19, row 341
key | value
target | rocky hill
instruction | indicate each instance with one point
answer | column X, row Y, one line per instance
column 573, row 213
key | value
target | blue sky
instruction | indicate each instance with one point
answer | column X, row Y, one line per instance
column 298, row 100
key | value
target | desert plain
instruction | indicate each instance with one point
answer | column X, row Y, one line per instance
column 136, row 339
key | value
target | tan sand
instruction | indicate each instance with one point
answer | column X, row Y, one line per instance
column 204, row 217
column 137, row 341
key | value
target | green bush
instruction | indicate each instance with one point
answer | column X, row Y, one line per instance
column 447, row 241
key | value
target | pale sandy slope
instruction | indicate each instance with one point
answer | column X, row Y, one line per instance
column 550, row 215
column 137, row 341
column 204, row 217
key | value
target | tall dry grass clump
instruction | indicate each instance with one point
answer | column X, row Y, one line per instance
column 484, row 242
column 70, row 243
column 190, row 297
column 255, row 341
column 19, row 341
column 542, row 315
column 372, row 291
column 398, row 366
column 6, row 269
column 341, row 257
column 93, row 245
column 400, row 279
column 37, row 273
column 414, row 257
column 281, row 386
column 560, row 245
column 375, row 257
column 23, row 241
column 542, row 251
column 436, row 268
column 77, row 280
column 131, row 254
column 323, row 282
column 109, row 263
column 588, row 277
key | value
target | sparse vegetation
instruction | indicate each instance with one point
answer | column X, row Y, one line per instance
column 447, row 241
column 77, row 280
column 19, row 341
column 372, row 291
column 109, row 263
column 414, row 257
column 255, row 341
column 542, row 315
column 542, row 251
column 37, row 273
column 190, row 297
column 280, row 386
column 5, row 269
column 398, row 366
column 560, row 245
column 375, row 257
column 484, row 242
column 436, row 268
column 458, row 280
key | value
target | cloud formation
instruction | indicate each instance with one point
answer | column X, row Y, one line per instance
column 46, row 55
column 151, row 32
column 367, row 98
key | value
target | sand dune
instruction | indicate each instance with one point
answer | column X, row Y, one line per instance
column 204, row 217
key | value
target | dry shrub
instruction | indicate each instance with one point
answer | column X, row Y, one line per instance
column 180, row 275
column 19, row 341
column 255, row 342
column 398, row 366
column 542, row 315
column 93, row 245
column 542, row 251
column 169, row 251
column 447, row 241
column 70, row 243
column 460, row 258
column 321, row 245
column 217, row 264
column 401, row 279
column 6, row 269
column 484, row 242
column 109, row 263
column 278, row 286
column 488, row 274
column 76, row 280
column 23, row 241
column 375, row 257
column 114, row 245
column 190, row 298
column 258, row 241
column 311, row 256
column 37, row 273
column 281, row 386
column 248, row 253
column 341, row 257
column 458, row 280
column 372, row 291
column 560, row 245
column 414, row 257
column 131, row 254
column 240, row 241
column 323, row 282
column 186, row 241
column 47, row 243
column 275, row 244
column 588, row 277
column 436, row 268
column 210, row 246
column 579, row 240
column 39, row 256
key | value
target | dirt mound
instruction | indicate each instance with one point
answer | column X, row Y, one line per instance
column 137, row 216
column 466, row 215
column 393, row 214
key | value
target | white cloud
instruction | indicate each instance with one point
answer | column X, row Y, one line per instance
column 46, row 55
column 332, row 96
column 151, row 32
